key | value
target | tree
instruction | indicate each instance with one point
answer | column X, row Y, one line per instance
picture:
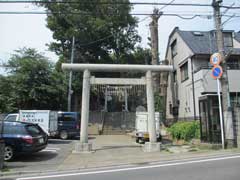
column 32, row 83
column 137, row 56
column 99, row 27
column 6, row 98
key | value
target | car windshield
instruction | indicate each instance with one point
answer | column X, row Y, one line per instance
column 11, row 118
column 34, row 130
column 67, row 117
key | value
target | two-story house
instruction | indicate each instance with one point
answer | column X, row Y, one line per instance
column 192, row 91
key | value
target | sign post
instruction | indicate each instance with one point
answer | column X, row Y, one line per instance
column 216, row 74
column 220, row 112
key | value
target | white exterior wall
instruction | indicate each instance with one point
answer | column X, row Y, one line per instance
column 203, row 81
column 184, row 95
column 210, row 85
column 186, row 108
column 236, row 44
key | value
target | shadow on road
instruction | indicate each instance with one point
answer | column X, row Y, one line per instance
column 59, row 141
column 26, row 161
column 35, row 157
column 67, row 141
column 166, row 141
column 78, row 138
column 118, row 147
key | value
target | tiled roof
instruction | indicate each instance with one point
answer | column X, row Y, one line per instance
column 204, row 42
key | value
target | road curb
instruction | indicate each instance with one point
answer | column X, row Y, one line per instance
column 184, row 156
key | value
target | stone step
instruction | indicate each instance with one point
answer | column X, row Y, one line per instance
column 113, row 131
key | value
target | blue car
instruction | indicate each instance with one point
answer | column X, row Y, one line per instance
column 68, row 124
column 22, row 138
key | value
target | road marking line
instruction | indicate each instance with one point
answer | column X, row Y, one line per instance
column 131, row 168
column 53, row 148
column 49, row 150
column 193, row 159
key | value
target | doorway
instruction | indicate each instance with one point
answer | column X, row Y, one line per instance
column 209, row 119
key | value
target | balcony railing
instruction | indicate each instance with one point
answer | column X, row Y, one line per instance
column 231, row 66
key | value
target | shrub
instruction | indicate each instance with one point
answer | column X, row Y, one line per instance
column 185, row 130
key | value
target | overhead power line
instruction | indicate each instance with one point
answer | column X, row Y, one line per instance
column 230, row 7
column 182, row 16
column 171, row 2
column 119, row 3
column 110, row 2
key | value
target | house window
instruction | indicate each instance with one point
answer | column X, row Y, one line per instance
column 233, row 64
column 228, row 41
column 174, row 48
column 184, row 71
column 170, row 109
column 175, row 76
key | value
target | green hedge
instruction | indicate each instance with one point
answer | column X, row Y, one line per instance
column 185, row 130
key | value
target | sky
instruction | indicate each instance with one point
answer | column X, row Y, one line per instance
column 19, row 31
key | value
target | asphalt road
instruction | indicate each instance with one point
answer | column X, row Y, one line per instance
column 47, row 159
column 217, row 168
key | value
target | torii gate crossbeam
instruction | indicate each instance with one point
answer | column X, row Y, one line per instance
column 84, row 146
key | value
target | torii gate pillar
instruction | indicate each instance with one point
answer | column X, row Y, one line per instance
column 152, row 145
column 84, row 145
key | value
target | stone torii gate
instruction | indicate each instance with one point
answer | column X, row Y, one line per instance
column 83, row 145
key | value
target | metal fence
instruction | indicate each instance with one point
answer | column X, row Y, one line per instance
column 111, row 122
column 236, row 124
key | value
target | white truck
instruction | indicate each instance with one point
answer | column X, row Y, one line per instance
column 141, row 125
column 46, row 119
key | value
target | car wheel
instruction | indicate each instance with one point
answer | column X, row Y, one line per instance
column 137, row 140
column 8, row 153
column 63, row 134
column 141, row 141
column 159, row 139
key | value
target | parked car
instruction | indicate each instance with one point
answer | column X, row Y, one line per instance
column 22, row 138
column 46, row 119
column 68, row 124
column 12, row 117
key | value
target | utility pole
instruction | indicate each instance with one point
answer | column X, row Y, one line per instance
column 154, row 46
column 227, row 109
column 70, row 77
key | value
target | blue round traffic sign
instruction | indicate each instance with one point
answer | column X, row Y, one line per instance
column 215, row 59
column 217, row 72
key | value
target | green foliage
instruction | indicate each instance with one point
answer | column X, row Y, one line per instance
column 185, row 130
column 100, row 29
column 105, row 32
column 138, row 56
column 159, row 103
column 32, row 83
column 160, row 106
column 6, row 95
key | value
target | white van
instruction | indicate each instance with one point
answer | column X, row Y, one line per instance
column 46, row 119
column 142, row 134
